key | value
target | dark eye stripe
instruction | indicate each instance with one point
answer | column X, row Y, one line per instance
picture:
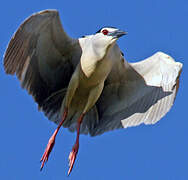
column 105, row 27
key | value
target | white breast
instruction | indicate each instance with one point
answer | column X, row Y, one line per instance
column 96, row 70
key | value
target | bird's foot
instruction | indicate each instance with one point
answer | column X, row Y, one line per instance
column 47, row 151
column 72, row 157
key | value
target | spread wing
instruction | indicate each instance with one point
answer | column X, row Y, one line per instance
column 137, row 93
column 42, row 55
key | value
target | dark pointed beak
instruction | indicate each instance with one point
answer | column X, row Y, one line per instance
column 117, row 33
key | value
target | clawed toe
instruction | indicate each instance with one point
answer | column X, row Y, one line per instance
column 47, row 152
column 72, row 157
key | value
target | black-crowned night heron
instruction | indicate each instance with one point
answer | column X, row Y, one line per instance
column 86, row 84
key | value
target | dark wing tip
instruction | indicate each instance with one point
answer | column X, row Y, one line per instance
column 178, row 82
column 15, row 49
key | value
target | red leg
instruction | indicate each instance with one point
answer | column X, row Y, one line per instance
column 51, row 141
column 73, row 153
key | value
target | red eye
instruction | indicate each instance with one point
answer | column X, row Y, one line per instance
column 105, row 31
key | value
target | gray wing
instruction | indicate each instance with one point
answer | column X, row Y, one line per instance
column 42, row 56
column 137, row 93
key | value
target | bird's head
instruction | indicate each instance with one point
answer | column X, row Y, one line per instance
column 101, row 40
column 105, row 37
column 108, row 35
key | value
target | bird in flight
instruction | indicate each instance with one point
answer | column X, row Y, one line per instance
column 85, row 84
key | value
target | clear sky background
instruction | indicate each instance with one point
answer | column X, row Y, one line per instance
column 157, row 152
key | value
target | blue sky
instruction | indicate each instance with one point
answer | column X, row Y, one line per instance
column 158, row 152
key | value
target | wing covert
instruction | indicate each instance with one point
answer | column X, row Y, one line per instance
column 42, row 55
column 143, row 92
